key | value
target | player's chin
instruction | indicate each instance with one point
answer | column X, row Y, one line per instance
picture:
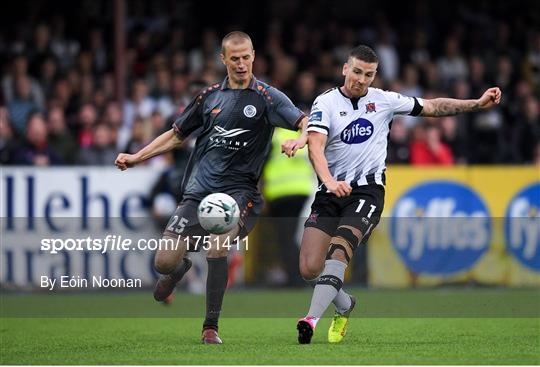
column 242, row 76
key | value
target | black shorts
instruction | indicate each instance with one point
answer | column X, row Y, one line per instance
column 185, row 222
column 362, row 210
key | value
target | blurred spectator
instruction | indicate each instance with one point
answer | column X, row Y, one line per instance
column 8, row 140
column 113, row 115
column 64, row 48
column 450, row 136
column 306, row 91
column 419, row 53
column 86, row 121
column 98, row 50
column 101, row 151
column 504, row 75
column 398, row 143
column 485, row 144
column 427, row 147
column 526, row 136
column 47, row 75
column 388, row 55
column 180, row 96
column 40, row 48
column 18, row 70
column 140, row 104
column 532, row 61
column 156, row 126
column 137, row 140
column 60, row 139
column 22, row 104
column 208, row 50
column 452, row 65
column 36, row 150
column 478, row 79
column 161, row 93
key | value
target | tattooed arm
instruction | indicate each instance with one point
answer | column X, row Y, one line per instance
column 449, row 106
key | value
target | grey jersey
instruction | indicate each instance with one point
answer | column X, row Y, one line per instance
column 236, row 136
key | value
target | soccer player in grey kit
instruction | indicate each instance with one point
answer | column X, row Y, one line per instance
column 237, row 119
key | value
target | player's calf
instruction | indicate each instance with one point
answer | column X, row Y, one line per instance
column 167, row 259
column 167, row 282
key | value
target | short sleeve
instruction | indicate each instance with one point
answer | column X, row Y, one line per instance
column 319, row 119
column 190, row 119
column 404, row 105
column 282, row 112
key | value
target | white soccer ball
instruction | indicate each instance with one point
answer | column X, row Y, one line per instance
column 218, row 213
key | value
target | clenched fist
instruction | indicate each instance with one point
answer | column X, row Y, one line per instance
column 125, row 161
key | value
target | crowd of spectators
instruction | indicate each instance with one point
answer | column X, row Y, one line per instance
column 57, row 94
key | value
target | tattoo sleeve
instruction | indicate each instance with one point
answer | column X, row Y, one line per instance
column 449, row 107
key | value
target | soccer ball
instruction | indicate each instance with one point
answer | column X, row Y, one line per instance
column 218, row 213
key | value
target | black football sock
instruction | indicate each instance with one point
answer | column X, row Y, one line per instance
column 216, row 282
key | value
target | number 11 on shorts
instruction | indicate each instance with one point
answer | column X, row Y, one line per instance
column 361, row 204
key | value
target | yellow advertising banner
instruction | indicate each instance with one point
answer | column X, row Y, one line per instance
column 468, row 225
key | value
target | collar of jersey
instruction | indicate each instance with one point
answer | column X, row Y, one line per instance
column 252, row 84
column 352, row 99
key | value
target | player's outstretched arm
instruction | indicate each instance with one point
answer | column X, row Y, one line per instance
column 290, row 146
column 316, row 144
column 162, row 144
column 448, row 106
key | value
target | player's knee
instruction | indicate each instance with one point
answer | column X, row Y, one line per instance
column 310, row 269
column 340, row 255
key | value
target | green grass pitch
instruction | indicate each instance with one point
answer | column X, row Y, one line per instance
column 62, row 336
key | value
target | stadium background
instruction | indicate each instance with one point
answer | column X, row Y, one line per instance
column 67, row 102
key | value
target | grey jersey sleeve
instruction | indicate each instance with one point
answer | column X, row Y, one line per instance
column 190, row 119
column 281, row 111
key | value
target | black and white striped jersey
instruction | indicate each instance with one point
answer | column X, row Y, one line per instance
column 357, row 130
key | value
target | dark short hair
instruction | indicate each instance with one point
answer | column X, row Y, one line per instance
column 236, row 36
column 364, row 53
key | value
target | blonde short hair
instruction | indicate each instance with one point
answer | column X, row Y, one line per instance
column 235, row 37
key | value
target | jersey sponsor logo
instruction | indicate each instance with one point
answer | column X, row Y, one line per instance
column 357, row 131
column 315, row 116
column 250, row 111
column 522, row 227
column 223, row 138
column 440, row 228
column 228, row 133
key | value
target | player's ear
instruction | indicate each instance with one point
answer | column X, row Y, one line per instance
column 345, row 69
column 222, row 58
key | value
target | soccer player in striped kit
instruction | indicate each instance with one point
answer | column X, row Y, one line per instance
column 348, row 128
